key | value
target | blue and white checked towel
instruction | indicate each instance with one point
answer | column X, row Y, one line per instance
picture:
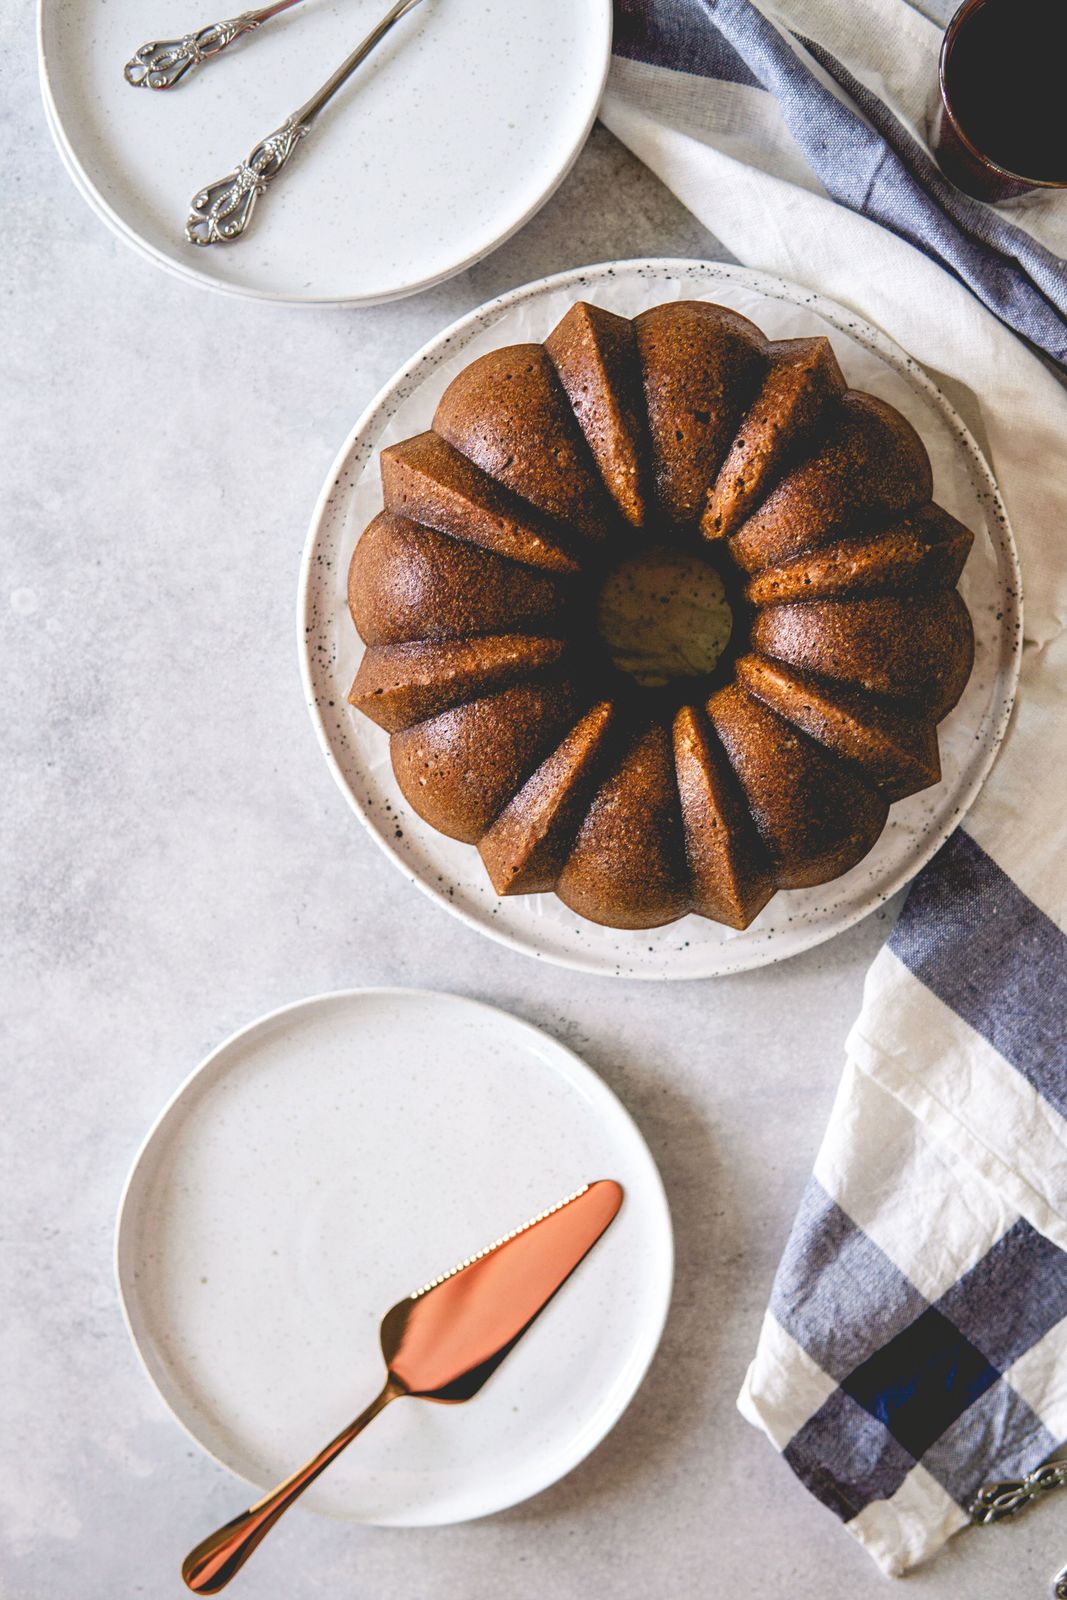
column 916, row 1342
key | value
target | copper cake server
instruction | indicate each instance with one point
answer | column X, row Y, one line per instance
column 442, row 1343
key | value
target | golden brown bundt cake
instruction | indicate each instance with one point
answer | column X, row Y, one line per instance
column 559, row 477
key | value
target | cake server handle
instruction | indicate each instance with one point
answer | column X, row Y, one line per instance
column 216, row 1559
column 222, row 210
column 162, row 63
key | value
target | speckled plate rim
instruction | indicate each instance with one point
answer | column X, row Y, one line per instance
column 744, row 952
column 205, row 280
column 567, row 1065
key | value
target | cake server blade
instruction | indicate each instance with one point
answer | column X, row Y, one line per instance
column 441, row 1343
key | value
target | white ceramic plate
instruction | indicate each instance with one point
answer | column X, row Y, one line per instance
column 317, row 1167
column 459, row 126
column 358, row 751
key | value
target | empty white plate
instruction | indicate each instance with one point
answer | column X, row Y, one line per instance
column 447, row 140
column 318, row 1167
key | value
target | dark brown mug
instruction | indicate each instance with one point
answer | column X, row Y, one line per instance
column 995, row 134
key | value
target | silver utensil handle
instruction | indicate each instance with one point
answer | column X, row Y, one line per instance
column 311, row 108
column 1059, row 1582
column 162, row 63
column 222, row 210
column 995, row 1501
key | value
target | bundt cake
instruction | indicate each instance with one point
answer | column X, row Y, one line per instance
column 660, row 615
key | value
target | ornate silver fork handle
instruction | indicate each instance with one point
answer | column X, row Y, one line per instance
column 162, row 63
column 222, row 210
column 996, row 1501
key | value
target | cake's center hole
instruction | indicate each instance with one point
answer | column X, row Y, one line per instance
column 664, row 615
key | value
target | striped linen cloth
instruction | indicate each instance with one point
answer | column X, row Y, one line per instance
column 915, row 1346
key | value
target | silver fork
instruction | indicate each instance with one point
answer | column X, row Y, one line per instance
column 222, row 210
column 162, row 63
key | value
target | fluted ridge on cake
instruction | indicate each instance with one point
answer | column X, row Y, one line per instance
column 594, row 353
column 509, row 414
column 400, row 684
column 917, row 648
column 700, row 364
column 459, row 769
column 627, row 867
column 406, row 581
column 924, row 550
column 871, row 465
column 801, row 384
column 896, row 752
column 815, row 816
column 429, row 481
column 730, row 877
column 525, row 849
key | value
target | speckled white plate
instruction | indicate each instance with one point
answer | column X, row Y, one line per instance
column 457, row 129
column 318, row 1166
column 358, row 751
